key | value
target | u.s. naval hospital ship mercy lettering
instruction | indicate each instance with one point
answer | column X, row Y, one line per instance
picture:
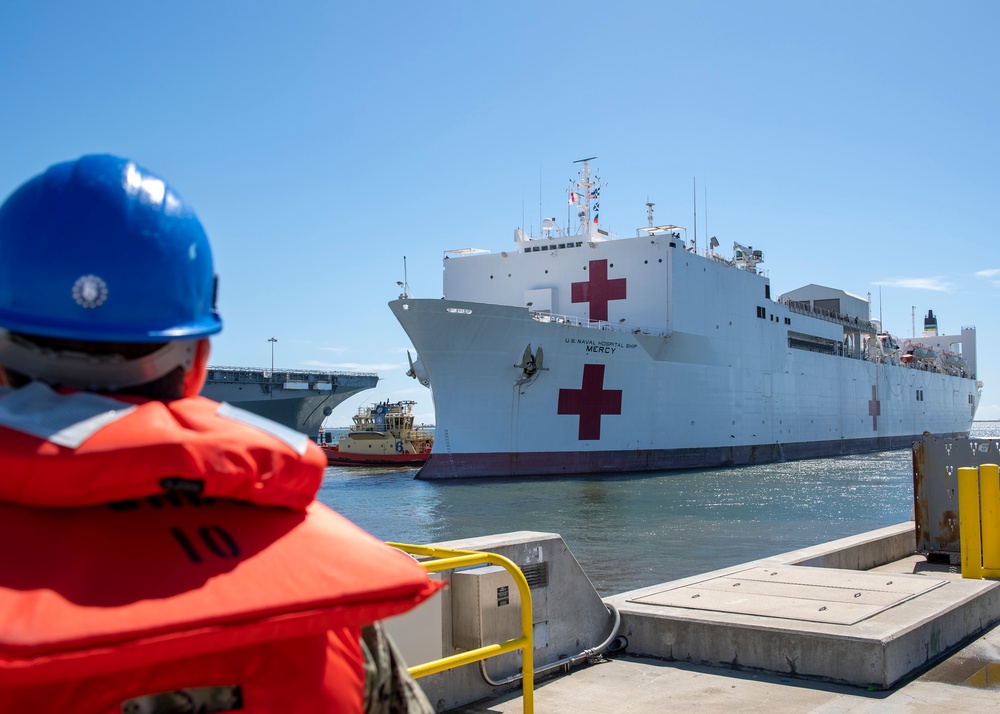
column 299, row 399
column 589, row 353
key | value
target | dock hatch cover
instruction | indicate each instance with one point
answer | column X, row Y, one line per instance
column 838, row 597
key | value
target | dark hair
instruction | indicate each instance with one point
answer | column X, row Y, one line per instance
column 169, row 386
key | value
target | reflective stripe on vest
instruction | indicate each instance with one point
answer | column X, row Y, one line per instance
column 294, row 439
column 64, row 419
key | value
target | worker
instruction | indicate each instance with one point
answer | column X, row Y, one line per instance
column 162, row 552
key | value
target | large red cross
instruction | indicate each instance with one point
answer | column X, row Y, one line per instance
column 874, row 409
column 591, row 402
column 599, row 290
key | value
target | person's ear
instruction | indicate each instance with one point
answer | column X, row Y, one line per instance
column 194, row 380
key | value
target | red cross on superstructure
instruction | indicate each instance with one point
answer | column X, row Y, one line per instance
column 591, row 402
column 599, row 290
column 874, row 409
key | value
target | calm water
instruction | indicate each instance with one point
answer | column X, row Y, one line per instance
column 632, row 530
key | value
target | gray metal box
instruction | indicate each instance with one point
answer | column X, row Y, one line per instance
column 936, row 461
column 485, row 607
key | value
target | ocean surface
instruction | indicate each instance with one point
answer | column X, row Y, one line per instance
column 633, row 530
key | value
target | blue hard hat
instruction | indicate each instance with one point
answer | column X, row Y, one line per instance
column 100, row 249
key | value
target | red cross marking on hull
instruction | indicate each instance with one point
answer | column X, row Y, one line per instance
column 590, row 402
column 599, row 290
column 874, row 409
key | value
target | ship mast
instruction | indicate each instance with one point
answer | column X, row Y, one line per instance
column 581, row 198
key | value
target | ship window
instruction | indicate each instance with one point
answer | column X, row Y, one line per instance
column 767, row 292
column 545, row 247
column 562, row 245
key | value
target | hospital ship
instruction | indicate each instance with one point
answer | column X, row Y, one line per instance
column 584, row 352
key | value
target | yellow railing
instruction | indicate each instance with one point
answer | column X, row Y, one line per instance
column 449, row 559
column 979, row 521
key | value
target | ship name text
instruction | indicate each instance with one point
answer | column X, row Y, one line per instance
column 606, row 347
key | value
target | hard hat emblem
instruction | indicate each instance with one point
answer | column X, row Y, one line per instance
column 90, row 291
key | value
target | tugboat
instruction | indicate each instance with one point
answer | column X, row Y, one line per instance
column 382, row 434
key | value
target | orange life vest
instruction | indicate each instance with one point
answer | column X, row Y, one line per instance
column 132, row 448
column 179, row 596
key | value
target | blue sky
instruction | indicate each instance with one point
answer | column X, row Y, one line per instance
column 855, row 143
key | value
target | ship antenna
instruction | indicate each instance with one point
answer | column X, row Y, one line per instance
column 649, row 211
column 405, row 285
column 694, row 203
column 706, row 211
column 585, row 184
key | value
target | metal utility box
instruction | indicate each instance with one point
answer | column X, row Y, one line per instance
column 936, row 461
column 485, row 607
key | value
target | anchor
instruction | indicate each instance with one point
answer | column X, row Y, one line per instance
column 531, row 365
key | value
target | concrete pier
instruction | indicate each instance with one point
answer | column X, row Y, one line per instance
column 867, row 628
column 851, row 625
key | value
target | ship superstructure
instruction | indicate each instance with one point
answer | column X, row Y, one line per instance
column 298, row 399
column 585, row 352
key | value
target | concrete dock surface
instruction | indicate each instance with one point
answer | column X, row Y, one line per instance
column 944, row 636
column 630, row 684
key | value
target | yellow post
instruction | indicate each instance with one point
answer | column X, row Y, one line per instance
column 968, row 523
column 989, row 498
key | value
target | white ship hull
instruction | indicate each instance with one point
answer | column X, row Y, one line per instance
column 587, row 353
column 654, row 403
